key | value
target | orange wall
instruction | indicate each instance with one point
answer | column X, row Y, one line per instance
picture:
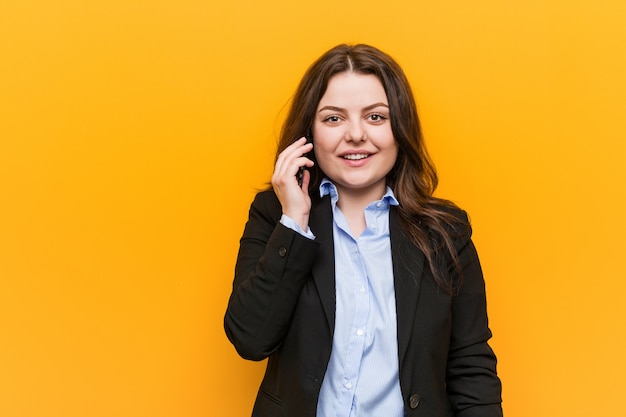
column 134, row 133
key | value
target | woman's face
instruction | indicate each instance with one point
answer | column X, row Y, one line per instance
column 354, row 144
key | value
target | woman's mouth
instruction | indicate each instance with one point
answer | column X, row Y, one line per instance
column 356, row 156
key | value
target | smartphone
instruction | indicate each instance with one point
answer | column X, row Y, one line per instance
column 300, row 174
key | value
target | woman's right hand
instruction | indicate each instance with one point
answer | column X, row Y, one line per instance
column 294, row 198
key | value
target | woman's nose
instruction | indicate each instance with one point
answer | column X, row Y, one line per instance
column 356, row 132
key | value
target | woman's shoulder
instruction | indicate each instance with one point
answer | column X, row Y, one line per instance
column 266, row 201
column 266, row 195
column 449, row 210
column 453, row 220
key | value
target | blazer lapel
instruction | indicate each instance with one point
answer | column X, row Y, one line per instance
column 321, row 224
column 408, row 268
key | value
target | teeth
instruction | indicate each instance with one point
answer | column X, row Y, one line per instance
column 356, row 156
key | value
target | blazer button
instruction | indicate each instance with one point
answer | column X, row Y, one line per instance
column 414, row 401
column 282, row 252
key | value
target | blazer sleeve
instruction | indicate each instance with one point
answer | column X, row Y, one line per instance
column 272, row 266
column 473, row 386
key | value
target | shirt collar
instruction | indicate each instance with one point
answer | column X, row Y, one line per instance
column 328, row 188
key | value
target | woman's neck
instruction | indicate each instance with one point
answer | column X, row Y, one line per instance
column 352, row 203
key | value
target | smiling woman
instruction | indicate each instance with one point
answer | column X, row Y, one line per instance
column 363, row 289
column 354, row 143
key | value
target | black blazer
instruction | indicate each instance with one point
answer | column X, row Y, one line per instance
column 283, row 307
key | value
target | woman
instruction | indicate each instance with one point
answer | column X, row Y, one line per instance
column 363, row 290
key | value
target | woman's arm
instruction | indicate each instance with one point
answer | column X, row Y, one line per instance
column 272, row 266
column 473, row 386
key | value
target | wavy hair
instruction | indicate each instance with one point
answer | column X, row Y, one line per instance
column 428, row 221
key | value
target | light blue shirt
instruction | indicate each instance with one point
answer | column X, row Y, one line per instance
column 362, row 375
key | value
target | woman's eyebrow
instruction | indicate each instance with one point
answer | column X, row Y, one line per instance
column 339, row 109
column 373, row 106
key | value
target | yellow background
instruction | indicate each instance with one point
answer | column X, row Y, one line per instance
column 133, row 134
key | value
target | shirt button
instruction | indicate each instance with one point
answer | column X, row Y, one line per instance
column 362, row 290
column 348, row 385
column 359, row 332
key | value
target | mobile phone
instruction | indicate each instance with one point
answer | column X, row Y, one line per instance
column 300, row 174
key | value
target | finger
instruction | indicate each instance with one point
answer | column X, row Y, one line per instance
column 286, row 155
column 305, row 180
column 292, row 158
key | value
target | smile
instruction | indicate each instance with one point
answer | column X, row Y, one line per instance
column 356, row 156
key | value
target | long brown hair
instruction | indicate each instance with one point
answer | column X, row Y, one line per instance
column 427, row 220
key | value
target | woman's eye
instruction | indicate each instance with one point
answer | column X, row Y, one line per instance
column 332, row 119
column 376, row 117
